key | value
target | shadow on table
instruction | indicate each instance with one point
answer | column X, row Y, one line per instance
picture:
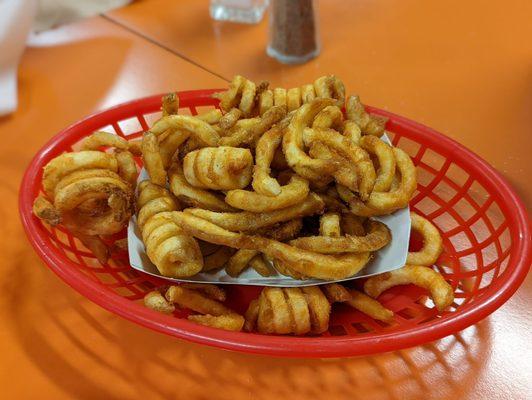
column 90, row 353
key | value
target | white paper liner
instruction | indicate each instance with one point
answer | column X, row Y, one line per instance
column 391, row 257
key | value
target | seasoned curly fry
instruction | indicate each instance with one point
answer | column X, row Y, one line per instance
column 67, row 163
column 104, row 139
column 261, row 266
column 153, row 207
column 377, row 237
column 169, row 146
column 171, row 251
column 330, row 225
column 370, row 125
column 196, row 301
column 352, row 131
column 355, row 154
column 231, row 97
column 246, row 221
column 93, row 202
column 382, row 203
column 290, row 194
column 293, row 149
column 242, row 258
column 152, row 159
column 286, row 231
column 441, row 292
column 157, row 302
column 221, row 168
column 215, row 313
column 186, row 126
column 293, row 99
column 211, row 117
column 170, row 104
column 384, row 153
column 193, row 196
column 346, row 174
column 46, row 211
column 248, row 135
column 265, row 101
column 308, row 263
column 147, row 191
column 432, row 242
column 134, row 147
column 229, row 322
column 307, row 93
column 127, row 167
column 230, row 119
column 330, row 87
column 263, row 183
column 336, row 293
column 279, row 97
column 290, row 310
column 329, row 117
column 213, row 291
column 369, row 306
column 333, row 204
column 239, row 261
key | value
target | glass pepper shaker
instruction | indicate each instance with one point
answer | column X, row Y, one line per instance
column 293, row 35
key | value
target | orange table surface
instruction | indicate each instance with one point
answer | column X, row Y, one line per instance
column 461, row 67
column 55, row 344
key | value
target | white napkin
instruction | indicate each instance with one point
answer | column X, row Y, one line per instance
column 16, row 18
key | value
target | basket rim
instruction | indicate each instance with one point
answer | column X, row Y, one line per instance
column 492, row 298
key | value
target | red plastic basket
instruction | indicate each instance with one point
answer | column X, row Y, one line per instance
column 485, row 231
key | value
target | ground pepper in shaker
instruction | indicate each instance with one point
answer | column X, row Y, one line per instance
column 293, row 36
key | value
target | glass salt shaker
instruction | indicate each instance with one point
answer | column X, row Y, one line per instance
column 244, row 11
column 293, row 35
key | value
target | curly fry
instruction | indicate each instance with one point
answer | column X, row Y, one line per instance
column 46, row 211
column 262, row 182
column 230, row 119
column 213, row 291
column 369, row 124
column 221, row 168
column 248, row 221
column 369, row 306
column 308, row 263
column 229, row 322
column 193, row 196
column 293, row 149
column 170, row 104
column 290, row 194
column 378, row 236
column 186, row 126
column 157, row 302
column 261, row 266
column 336, row 293
column 104, row 139
column 384, row 153
column 432, row 242
column 127, row 167
column 152, row 159
column 353, row 153
column 441, row 292
column 67, row 163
